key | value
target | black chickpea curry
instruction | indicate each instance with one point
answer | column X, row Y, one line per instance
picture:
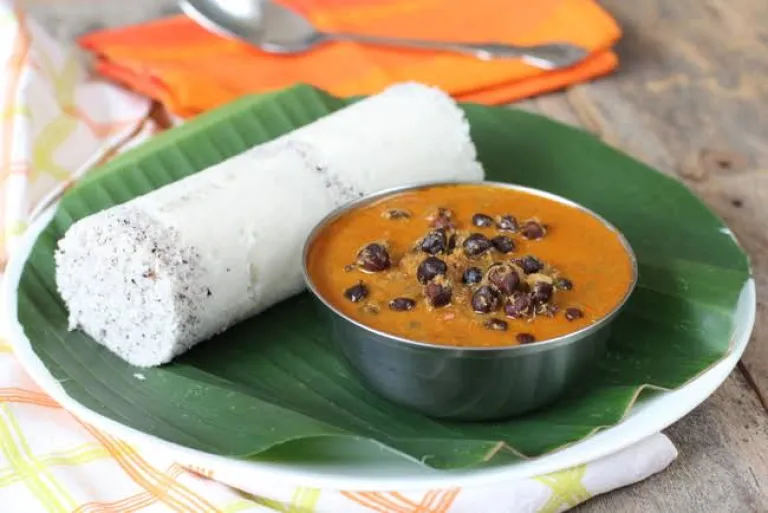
column 471, row 265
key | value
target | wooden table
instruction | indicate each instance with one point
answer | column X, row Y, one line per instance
column 690, row 98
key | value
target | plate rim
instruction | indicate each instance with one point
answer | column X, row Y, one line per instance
column 641, row 421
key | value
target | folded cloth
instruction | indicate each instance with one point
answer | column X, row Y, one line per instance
column 191, row 70
column 56, row 124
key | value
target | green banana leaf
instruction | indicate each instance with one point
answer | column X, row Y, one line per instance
column 273, row 381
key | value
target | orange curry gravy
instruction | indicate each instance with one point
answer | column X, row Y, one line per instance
column 576, row 246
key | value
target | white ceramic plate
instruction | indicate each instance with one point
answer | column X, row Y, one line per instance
column 363, row 465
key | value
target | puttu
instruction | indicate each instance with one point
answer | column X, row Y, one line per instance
column 152, row 277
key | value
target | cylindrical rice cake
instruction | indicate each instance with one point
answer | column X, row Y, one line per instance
column 150, row 278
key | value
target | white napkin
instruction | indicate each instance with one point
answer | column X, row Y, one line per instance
column 55, row 125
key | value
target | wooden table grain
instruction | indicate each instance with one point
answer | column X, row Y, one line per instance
column 691, row 99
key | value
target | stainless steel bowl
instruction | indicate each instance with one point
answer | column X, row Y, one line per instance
column 466, row 383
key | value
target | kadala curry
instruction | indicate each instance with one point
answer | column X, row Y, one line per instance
column 471, row 266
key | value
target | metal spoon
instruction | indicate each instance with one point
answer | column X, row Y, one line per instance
column 277, row 29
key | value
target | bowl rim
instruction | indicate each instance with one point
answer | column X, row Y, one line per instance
column 550, row 343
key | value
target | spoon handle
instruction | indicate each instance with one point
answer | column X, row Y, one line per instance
column 545, row 56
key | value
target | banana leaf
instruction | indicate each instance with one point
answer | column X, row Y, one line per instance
column 273, row 380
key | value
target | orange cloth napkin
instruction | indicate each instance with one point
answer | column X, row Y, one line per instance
column 191, row 70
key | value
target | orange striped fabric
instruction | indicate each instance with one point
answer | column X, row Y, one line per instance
column 433, row 501
column 12, row 70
